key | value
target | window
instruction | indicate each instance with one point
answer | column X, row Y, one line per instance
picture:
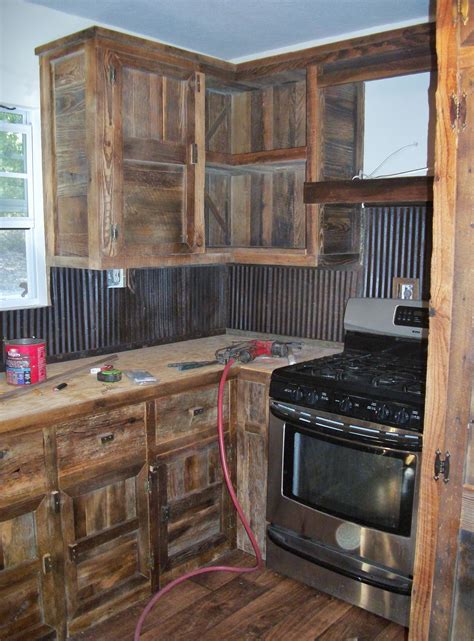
column 22, row 253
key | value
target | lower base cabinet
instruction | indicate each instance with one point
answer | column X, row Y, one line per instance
column 28, row 605
column 99, row 511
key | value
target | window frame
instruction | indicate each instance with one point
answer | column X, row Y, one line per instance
column 33, row 223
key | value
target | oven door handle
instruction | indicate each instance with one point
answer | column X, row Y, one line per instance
column 346, row 431
column 399, row 585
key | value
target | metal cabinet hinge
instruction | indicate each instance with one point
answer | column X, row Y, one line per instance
column 114, row 232
column 112, row 74
column 56, row 499
column 194, row 153
column 441, row 466
column 147, row 486
column 457, row 111
column 47, row 563
column 165, row 514
column 73, row 554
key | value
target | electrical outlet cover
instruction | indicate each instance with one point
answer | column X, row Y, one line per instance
column 116, row 278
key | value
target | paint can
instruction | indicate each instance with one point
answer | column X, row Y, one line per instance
column 25, row 361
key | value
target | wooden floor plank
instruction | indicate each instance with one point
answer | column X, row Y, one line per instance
column 314, row 617
column 256, row 618
column 355, row 625
column 261, row 606
column 208, row 612
column 215, row 580
column 122, row 626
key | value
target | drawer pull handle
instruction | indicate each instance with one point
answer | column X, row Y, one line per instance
column 106, row 439
column 3, row 454
column 195, row 411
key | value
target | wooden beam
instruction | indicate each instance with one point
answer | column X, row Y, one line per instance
column 383, row 190
column 281, row 156
column 405, row 44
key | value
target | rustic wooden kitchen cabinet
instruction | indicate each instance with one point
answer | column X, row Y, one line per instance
column 193, row 520
column 123, row 154
column 29, row 530
column 264, row 140
column 99, row 510
column 102, row 474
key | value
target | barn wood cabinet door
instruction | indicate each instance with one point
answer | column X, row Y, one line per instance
column 194, row 519
column 29, row 540
column 192, row 522
column 151, row 206
column 102, row 476
column 28, row 571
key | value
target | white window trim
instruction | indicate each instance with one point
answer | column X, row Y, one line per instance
column 34, row 224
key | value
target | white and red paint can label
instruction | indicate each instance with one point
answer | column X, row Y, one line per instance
column 25, row 361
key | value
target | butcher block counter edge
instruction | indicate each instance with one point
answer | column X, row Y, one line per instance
column 85, row 395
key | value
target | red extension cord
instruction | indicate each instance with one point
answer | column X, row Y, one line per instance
column 228, row 482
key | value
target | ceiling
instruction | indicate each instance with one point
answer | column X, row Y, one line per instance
column 235, row 29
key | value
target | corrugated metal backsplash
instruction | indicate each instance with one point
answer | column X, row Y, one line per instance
column 169, row 304
column 161, row 306
column 397, row 242
column 294, row 301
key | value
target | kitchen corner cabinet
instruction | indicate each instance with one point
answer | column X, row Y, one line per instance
column 123, row 154
column 264, row 140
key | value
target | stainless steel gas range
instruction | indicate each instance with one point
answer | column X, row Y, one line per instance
column 345, row 443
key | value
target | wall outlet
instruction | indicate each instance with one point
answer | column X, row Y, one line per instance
column 406, row 288
column 116, row 278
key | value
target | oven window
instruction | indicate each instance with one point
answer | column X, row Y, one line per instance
column 371, row 486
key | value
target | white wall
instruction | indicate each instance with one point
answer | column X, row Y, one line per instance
column 396, row 114
column 22, row 28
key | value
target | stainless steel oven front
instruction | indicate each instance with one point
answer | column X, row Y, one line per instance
column 342, row 505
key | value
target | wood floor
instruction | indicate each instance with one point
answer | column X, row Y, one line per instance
column 262, row 605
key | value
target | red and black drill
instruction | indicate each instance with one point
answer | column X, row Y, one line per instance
column 244, row 352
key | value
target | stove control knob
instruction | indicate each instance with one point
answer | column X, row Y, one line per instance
column 297, row 394
column 402, row 416
column 346, row 404
column 383, row 412
column 311, row 396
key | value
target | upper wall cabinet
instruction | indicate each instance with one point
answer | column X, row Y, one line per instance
column 123, row 156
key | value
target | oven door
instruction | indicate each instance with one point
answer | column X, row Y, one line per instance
column 347, row 484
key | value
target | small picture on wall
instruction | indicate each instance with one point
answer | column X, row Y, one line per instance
column 406, row 288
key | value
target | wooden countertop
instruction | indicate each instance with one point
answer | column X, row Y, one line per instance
column 84, row 394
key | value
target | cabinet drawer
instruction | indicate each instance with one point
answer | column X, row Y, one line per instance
column 188, row 413
column 22, row 466
column 108, row 439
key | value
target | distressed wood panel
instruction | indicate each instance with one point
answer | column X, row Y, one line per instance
column 106, row 544
column 105, row 439
column 22, row 467
column 340, row 150
column 28, row 608
column 252, row 460
column 182, row 418
column 71, row 162
column 197, row 520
